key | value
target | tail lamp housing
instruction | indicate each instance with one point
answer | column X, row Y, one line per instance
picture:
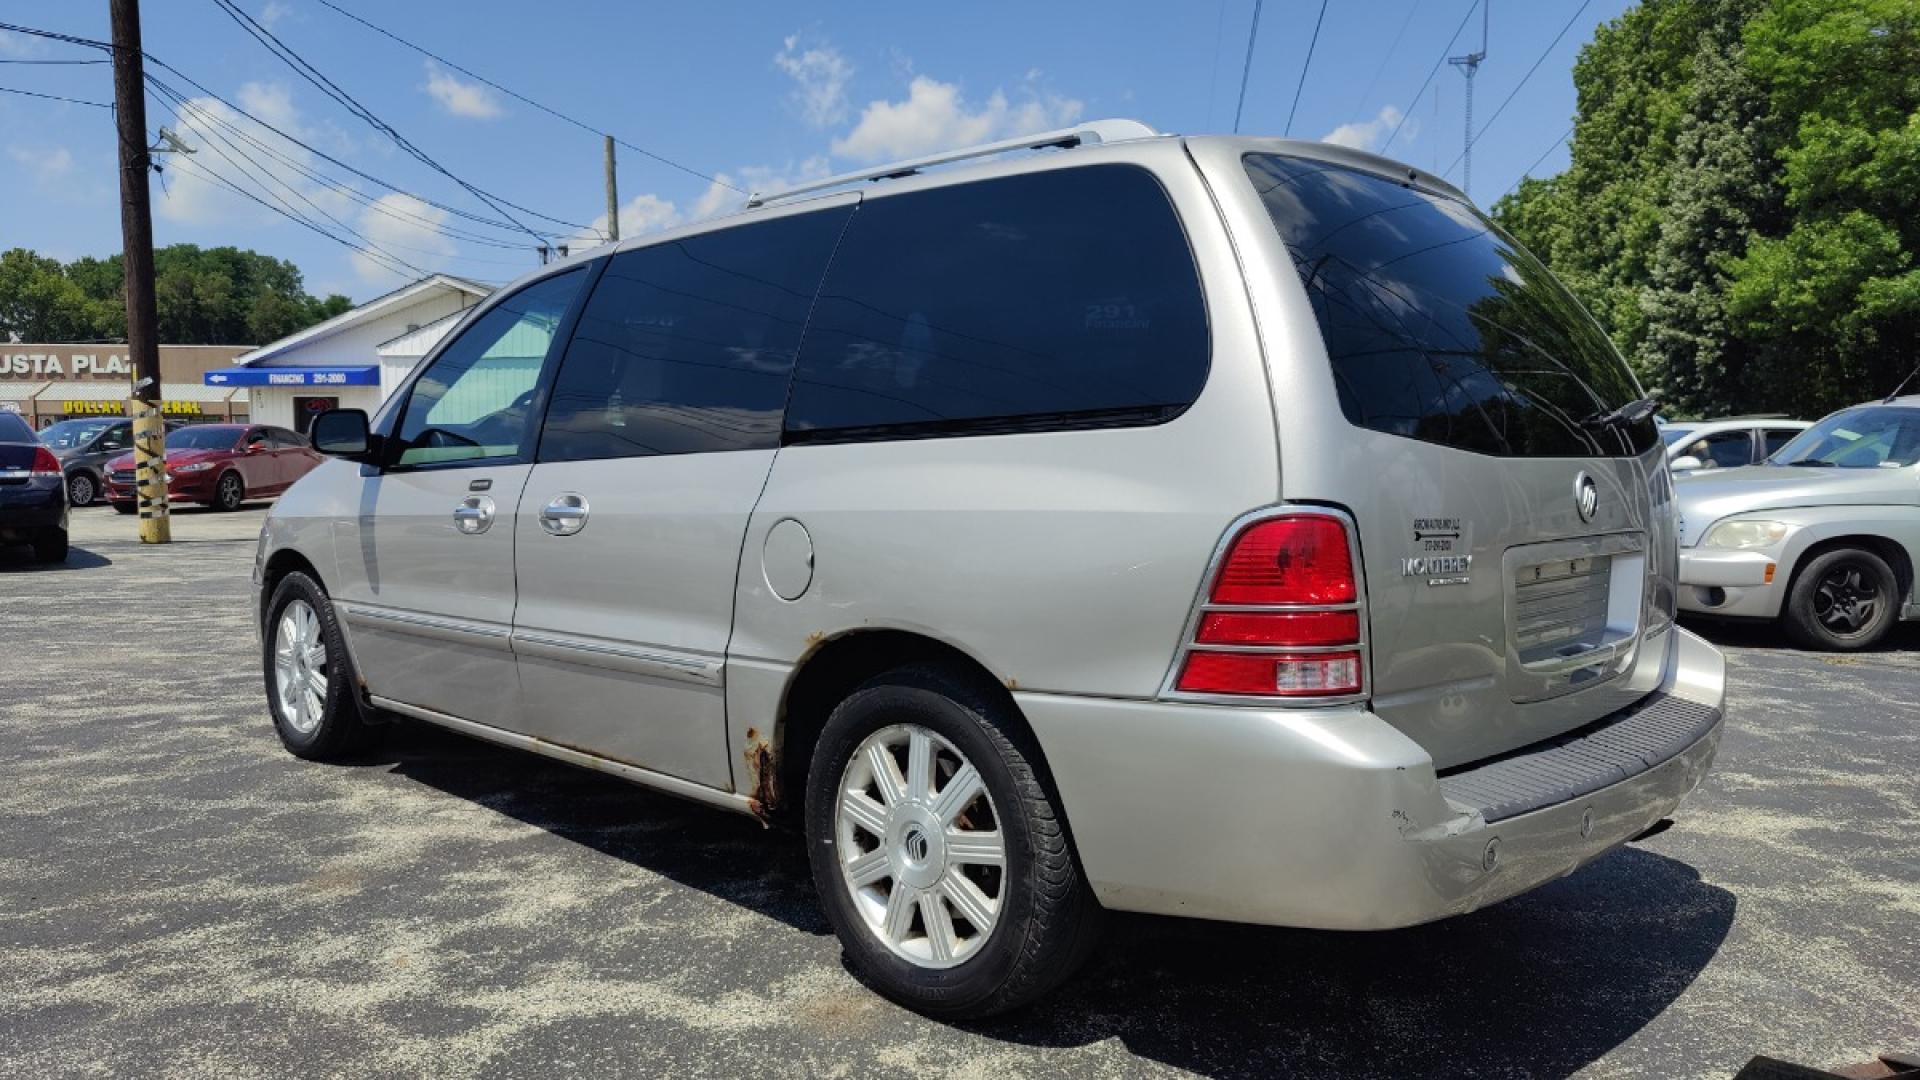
column 44, row 463
column 1280, row 616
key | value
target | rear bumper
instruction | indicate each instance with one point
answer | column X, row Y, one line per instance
column 1334, row 819
column 29, row 508
column 1732, row 583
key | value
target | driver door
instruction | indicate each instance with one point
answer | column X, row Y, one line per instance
column 428, row 589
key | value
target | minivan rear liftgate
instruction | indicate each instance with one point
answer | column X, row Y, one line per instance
column 1492, row 448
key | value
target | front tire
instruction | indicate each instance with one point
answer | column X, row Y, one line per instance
column 312, row 690
column 229, row 492
column 940, row 857
column 1844, row 600
column 81, row 490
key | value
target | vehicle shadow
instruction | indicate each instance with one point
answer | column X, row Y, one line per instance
column 1764, row 634
column 1539, row 986
column 19, row 559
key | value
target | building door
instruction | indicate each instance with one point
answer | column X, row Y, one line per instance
column 664, row 420
column 426, row 567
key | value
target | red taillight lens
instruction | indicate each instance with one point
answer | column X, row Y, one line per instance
column 1300, row 559
column 1277, row 628
column 44, row 463
column 1269, row 675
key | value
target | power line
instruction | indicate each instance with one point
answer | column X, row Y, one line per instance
column 54, row 97
column 51, row 35
column 1523, row 79
column 517, row 96
column 314, row 75
column 56, row 61
column 1361, row 101
column 1564, row 136
column 1302, row 84
column 1431, row 72
column 193, row 169
column 1246, row 68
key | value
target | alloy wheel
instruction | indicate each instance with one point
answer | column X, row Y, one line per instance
column 300, row 667
column 231, row 495
column 921, row 850
column 80, row 489
column 1847, row 598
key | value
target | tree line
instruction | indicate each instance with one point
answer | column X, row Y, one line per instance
column 205, row 296
column 1742, row 212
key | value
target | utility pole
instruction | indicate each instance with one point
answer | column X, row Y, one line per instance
column 613, row 196
column 1469, row 66
column 136, row 238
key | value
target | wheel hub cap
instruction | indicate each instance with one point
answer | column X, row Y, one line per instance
column 920, row 847
column 300, row 667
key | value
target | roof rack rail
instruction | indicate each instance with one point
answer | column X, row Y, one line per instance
column 1093, row 131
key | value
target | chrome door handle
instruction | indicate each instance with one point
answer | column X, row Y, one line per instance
column 474, row 515
column 565, row 515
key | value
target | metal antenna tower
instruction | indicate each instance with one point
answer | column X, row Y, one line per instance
column 1469, row 66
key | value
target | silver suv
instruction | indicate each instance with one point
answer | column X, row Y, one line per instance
column 1217, row 527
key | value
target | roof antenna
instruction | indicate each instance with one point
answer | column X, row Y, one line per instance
column 1888, row 400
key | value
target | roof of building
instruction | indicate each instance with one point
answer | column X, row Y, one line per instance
column 417, row 341
column 372, row 309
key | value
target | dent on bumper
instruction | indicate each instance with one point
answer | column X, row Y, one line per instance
column 1322, row 818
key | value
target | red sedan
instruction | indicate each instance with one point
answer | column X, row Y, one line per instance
column 222, row 465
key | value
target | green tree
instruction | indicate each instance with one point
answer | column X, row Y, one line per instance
column 37, row 301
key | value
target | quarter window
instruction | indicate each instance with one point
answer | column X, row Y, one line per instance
column 1066, row 298
column 688, row 346
column 472, row 403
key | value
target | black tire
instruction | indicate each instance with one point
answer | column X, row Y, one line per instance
column 1048, row 919
column 82, row 489
column 342, row 729
column 229, row 492
column 1845, row 599
column 123, row 508
column 50, row 546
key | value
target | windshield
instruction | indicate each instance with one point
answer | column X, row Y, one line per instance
column 203, row 438
column 73, row 434
column 1439, row 326
column 1868, row 437
column 1671, row 435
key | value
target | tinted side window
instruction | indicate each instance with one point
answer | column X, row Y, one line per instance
column 1724, row 450
column 688, row 346
column 1777, row 438
column 1058, row 298
column 286, row 440
column 472, row 402
column 118, row 437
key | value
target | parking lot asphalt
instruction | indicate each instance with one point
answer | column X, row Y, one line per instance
column 179, row 896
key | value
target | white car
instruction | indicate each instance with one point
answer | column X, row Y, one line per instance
column 1726, row 444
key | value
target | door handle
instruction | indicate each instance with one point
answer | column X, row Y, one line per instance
column 474, row 515
column 565, row 515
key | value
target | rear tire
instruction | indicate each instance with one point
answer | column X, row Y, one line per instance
column 81, row 490
column 1845, row 599
column 229, row 492
column 50, row 546
column 906, row 855
column 313, row 692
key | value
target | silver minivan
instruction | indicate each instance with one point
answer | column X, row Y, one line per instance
column 1232, row 528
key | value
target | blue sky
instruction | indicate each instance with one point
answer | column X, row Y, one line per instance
column 755, row 94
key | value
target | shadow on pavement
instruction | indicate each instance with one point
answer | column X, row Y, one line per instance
column 20, row 558
column 1765, row 634
column 1539, row 986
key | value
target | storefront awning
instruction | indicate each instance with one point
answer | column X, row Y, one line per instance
column 295, row 376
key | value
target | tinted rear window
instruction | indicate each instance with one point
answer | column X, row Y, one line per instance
column 1056, row 299
column 1439, row 326
column 14, row 429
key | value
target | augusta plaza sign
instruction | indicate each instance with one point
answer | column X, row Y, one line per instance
column 63, row 365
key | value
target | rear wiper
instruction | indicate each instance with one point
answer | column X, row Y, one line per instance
column 1631, row 413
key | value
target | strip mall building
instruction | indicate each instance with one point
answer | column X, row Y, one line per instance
column 351, row 361
column 54, row 382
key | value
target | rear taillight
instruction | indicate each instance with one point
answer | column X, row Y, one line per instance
column 1281, row 617
column 44, row 463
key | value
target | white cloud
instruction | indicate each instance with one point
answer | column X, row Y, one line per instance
column 1369, row 134
column 460, row 98
column 820, row 76
column 12, row 44
column 273, row 11
column 641, row 214
column 407, row 226
column 45, row 165
column 936, row 117
column 271, row 102
column 719, row 198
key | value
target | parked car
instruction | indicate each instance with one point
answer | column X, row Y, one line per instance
column 222, row 465
column 33, row 492
column 944, row 517
column 84, row 447
column 1726, row 444
column 1823, row 537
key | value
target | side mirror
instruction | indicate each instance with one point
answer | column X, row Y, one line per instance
column 256, row 446
column 1685, row 463
column 343, row 433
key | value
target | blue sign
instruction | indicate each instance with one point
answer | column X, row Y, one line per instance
column 294, row 376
